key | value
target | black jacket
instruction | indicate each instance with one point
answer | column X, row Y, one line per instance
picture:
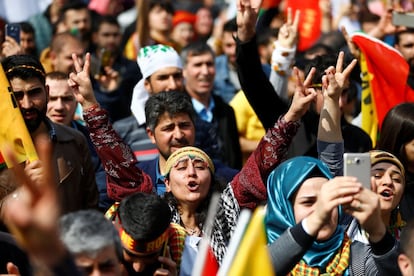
column 268, row 106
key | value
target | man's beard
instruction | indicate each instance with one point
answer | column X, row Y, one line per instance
column 33, row 124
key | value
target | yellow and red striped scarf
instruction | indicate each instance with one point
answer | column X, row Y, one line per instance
column 337, row 266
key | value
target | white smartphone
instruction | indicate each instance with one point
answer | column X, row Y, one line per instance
column 403, row 19
column 358, row 165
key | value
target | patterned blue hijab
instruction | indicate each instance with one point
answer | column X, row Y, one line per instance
column 282, row 184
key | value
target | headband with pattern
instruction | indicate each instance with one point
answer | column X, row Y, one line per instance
column 134, row 246
column 26, row 67
column 192, row 152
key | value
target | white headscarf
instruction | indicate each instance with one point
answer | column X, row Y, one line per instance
column 151, row 59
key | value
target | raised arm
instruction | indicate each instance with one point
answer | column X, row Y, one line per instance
column 353, row 48
column 254, row 82
column 249, row 186
column 123, row 176
column 330, row 140
column 283, row 55
column 334, row 82
column 32, row 211
column 247, row 14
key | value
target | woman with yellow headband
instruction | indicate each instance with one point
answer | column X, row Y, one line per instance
column 190, row 177
column 190, row 173
column 388, row 182
column 189, row 180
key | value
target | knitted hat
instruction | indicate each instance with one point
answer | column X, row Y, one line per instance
column 155, row 57
column 378, row 156
column 191, row 152
column 150, row 60
column 183, row 16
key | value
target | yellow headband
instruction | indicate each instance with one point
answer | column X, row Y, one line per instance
column 191, row 152
column 378, row 156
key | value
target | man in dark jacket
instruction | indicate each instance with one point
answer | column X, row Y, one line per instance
column 215, row 121
column 71, row 159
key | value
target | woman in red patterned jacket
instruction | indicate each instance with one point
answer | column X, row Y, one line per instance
column 246, row 190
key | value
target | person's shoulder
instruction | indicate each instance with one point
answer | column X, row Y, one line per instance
column 130, row 131
column 353, row 128
column 219, row 165
column 221, row 60
column 219, row 102
column 78, row 126
column 65, row 133
column 145, row 165
column 224, row 173
column 359, row 132
column 126, row 123
column 355, row 133
column 223, row 109
column 37, row 17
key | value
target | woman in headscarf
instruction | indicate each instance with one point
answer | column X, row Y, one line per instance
column 305, row 205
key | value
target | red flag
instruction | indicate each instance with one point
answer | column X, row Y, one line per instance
column 270, row 3
column 309, row 22
column 2, row 162
column 388, row 72
column 210, row 265
column 206, row 263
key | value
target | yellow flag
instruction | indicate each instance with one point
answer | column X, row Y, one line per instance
column 369, row 122
column 252, row 257
column 13, row 130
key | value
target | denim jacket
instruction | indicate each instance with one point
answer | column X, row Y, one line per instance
column 223, row 87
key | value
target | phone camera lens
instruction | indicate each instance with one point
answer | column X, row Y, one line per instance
column 357, row 161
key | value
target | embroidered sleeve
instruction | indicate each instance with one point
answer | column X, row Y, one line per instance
column 249, row 185
column 123, row 176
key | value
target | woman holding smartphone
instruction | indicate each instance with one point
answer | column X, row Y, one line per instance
column 305, row 206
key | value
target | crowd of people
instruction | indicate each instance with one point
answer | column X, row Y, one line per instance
column 142, row 112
